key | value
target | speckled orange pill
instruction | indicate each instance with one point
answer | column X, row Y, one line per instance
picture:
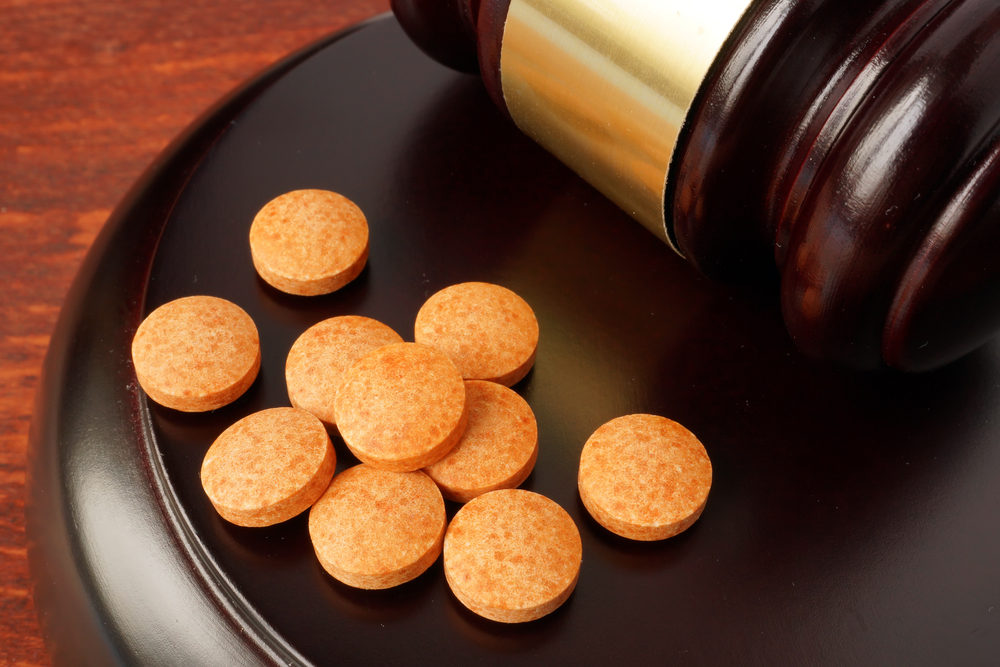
column 512, row 555
column 644, row 477
column 268, row 467
column 377, row 528
column 401, row 407
column 196, row 353
column 318, row 358
column 488, row 331
column 309, row 242
column 498, row 449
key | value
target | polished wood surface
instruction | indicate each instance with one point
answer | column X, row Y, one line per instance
column 89, row 94
column 846, row 523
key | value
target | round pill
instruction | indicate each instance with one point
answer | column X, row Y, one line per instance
column 401, row 407
column 644, row 477
column 377, row 528
column 488, row 331
column 512, row 555
column 497, row 450
column 318, row 358
column 268, row 467
column 309, row 242
column 196, row 353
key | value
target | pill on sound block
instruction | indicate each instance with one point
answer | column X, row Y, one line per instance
column 268, row 467
column 644, row 477
column 318, row 358
column 376, row 528
column 488, row 331
column 512, row 555
column 401, row 407
column 498, row 449
column 309, row 242
column 196, row 353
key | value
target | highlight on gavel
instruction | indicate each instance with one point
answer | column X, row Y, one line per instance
column 852, row 147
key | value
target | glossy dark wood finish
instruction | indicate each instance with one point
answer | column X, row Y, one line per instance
column 850, row 147
column 90, row 93
column 444, row 29
column 856, row 150
column 463, row 34
column 112, row 556
column 851, row 518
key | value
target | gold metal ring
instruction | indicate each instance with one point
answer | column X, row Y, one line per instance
column 605, row 85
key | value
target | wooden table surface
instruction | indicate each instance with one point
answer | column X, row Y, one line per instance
column 90, row 92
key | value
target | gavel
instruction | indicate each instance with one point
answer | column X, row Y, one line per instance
column 848, row 150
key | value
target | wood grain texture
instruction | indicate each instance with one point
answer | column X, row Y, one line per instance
column 89, row 94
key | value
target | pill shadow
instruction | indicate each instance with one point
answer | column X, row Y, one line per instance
column 279, row 546
column 345, row 457
column 203, row 427
column 508, row 638
column 380, row 607
column 297, row 313
column 633, row 555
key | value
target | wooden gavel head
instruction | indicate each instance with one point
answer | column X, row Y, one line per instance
column 853, row 145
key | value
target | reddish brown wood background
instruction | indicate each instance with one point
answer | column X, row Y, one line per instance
column 90, row 92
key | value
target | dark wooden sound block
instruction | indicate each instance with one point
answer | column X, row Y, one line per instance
column 854, row 518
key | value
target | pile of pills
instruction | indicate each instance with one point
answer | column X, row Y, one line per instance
column 428, row 420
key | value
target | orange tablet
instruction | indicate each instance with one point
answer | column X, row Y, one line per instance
column 497, row 450
column 309, row 242
column 318, row 358
column 512, row 555
column 376, row 528
column 488, row 331
column 644, row 477
column 401, row 407
column 196, row 353
column 268, row 467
